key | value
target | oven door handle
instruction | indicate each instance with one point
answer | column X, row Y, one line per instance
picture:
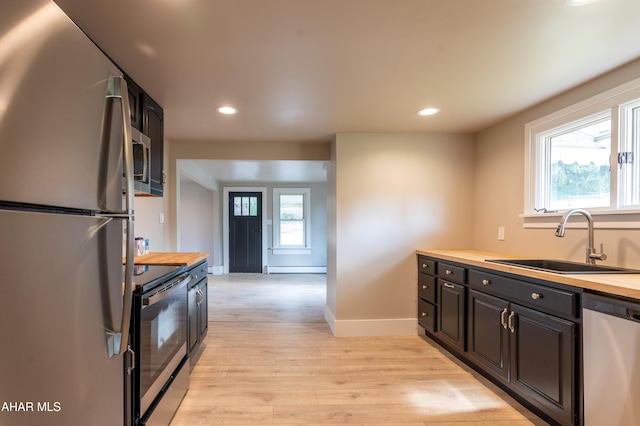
column 163, row 292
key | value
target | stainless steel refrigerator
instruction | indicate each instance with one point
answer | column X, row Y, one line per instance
column 64, row 224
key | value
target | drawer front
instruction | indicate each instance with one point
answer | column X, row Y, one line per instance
column 543, row 298
column 452, row 273
column 427, row 287
column 198, row 272
column 427, row 315
column 426, row 265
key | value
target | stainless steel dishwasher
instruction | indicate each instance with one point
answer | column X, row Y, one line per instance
column 611, row 349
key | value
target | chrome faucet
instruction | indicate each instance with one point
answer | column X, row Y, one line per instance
column 592, row 255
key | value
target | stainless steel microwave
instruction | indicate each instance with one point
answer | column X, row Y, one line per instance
column 141, row 162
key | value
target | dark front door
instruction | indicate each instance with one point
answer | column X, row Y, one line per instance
column 245, row 232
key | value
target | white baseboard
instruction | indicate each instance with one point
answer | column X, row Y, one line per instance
column 330, row 318
column 296, row 269
column 216, row 270
column 371, row 327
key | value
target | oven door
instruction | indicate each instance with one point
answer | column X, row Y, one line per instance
column 162, row 337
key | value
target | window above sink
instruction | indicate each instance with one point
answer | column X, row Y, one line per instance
column 586, row 156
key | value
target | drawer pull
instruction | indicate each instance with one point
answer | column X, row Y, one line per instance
column 448, row 272
column 425, row 266
column 502, row 320
column 424, row 287
column 511, row 318
column 447, row 285
column 536, row 296
column 486, row 282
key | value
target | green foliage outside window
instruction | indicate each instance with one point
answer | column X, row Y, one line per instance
column 575, row 180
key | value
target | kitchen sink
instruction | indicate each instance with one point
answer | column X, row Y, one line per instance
column 563, row 266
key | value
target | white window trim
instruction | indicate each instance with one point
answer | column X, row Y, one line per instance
column 288, row 250
column 611, row 100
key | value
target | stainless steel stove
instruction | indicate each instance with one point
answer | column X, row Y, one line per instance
column 159, row 341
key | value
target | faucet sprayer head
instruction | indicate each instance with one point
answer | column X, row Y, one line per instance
column 560, row 231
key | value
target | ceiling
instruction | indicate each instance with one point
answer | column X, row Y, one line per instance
column 303, row 70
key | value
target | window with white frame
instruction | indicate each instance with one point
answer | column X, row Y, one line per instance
column 586, row 156
column 291, row 218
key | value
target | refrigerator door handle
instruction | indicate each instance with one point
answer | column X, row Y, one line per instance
column 119, row 340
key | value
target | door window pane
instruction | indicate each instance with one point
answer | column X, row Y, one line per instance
column 245, row 206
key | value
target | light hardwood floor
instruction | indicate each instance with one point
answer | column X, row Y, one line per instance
column 270, row 359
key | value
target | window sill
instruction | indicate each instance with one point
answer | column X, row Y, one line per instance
column 289, row 251
column 619, row 219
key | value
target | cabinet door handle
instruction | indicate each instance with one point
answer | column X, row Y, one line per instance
column 424, row 314
column 424, row 287
column 425, row 266
column 536, row 296
column 447, row 285
column 502, row 320
column 486, row 282
column 448, row 272
column 512, row 316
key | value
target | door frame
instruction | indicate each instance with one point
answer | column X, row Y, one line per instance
column 225, row 223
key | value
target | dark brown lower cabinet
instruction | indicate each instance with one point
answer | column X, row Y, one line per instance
column 197, row 296
column 193, row 318
column 531, row 351
column 543, row 361
column 522, row 333
column 202, row 310
column 488, row 342
column 451, row 313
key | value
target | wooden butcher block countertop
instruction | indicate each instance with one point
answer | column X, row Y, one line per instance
column 171, row 258
column 627, row 285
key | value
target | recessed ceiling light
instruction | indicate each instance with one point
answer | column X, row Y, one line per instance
column 226, row 110
column 579, row 2
column 428, row 111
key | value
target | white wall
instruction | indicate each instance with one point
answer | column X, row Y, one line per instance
column 196, row 218
column 394, row 193
column 147, row 223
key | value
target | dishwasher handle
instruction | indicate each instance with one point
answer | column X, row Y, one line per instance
column 614, row 306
